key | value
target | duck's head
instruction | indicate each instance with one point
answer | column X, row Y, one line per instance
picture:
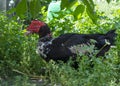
column 38, row 27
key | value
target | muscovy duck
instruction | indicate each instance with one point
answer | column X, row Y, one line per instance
column 68, row 45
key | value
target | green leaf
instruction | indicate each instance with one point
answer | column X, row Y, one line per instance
column 92, row 15
column 108, row 1
column 90, row 10
column 11, row 11
column 34, row 8
column 91, row 4
column 67, row 3
column 21, row 8
column 79, row 10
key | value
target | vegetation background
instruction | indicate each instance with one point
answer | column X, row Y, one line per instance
column 21, row 66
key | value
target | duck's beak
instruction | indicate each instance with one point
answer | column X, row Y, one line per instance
column 28, row 33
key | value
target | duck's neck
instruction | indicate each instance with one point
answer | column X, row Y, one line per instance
column 44, row 35
column 47, row 37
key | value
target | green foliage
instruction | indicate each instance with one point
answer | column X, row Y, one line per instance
column 67, row 3
column 80, row 8
column 90, row 10
column 17, row 52
column 108, row 1
column 78, row 11
column 21, row 9
column 28, row 9
column 18, row 57
column 34, row 8
column 102, row 74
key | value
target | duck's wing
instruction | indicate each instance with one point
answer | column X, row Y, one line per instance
column 71, row 39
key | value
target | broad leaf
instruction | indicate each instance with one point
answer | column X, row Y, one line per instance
column 78, row 11
column 34, row 8
column 67, row 3
column 90, row 10
column 108, row 1
column 21, row 8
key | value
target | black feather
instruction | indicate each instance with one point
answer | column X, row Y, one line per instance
column 59, row 48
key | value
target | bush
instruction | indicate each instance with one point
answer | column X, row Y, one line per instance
column 103, row 73
column 17, row 52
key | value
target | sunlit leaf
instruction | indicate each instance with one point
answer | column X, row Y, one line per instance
column 90, row 10
column 79, row 10
column 108, row 1
column 67, row 3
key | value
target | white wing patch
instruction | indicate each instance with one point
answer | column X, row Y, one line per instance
column 42, row 48
column 82, row 49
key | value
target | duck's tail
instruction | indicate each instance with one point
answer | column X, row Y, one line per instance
column 111, row 35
